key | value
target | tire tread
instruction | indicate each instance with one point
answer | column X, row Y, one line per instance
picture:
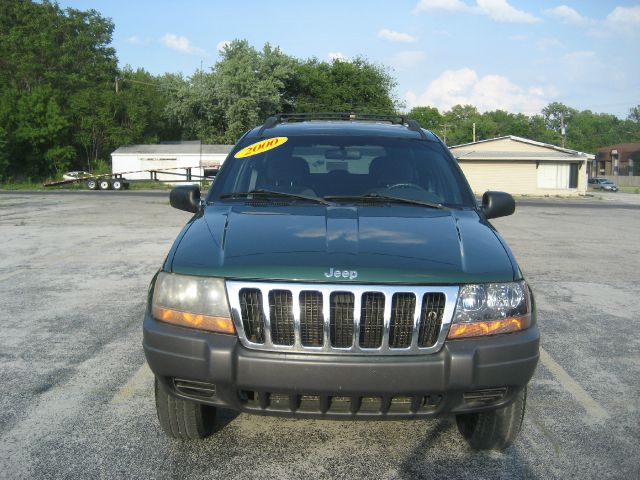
column 182, row 419
column 495, row 429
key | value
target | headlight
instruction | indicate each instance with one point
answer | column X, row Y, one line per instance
column 491, row 308
column 189, row 301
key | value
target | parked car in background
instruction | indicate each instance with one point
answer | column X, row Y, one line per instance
column 603, row 184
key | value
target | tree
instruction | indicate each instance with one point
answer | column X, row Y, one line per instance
column 634, row 114
column 250, row 85
column 41, row 128
column 59, row 108
column 459, row 121
column 343, row 86
column 428, row 117
column 49, row 56
column 499, row 123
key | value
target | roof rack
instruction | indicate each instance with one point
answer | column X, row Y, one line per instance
column 272, row 121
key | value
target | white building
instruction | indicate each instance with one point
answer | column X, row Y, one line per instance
column 523, row 167
column 135, row 162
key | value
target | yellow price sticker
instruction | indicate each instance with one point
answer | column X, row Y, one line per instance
column 260, row 147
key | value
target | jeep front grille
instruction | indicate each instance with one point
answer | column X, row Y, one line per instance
column 321, row 318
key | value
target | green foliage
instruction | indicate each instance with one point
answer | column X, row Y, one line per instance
column 250, row 85
column 341, row 86
column 585, row 131
column 191, row 106
column 58, row 106
column 428, row 117
column 101, row 166
column 50, row 55
column 60, row 158
column 64, row 103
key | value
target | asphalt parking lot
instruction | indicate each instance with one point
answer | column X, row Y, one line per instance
column 77, row 397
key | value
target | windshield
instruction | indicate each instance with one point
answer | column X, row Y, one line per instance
column 340, row 168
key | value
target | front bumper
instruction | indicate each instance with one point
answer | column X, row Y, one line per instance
column 336, row 386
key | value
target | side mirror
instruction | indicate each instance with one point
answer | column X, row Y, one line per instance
column 497, row 204
column 185, row 197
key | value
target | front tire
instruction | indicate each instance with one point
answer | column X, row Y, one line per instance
column 495, row 429
column 183, row 419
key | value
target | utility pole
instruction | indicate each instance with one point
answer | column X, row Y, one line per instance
column 563, row 132
column 445, row 134
column 474, row 132
column 117, row 85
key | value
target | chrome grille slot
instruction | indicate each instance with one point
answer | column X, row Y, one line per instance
column 431, row 318
column 341, row 321
column 311, row 319
column 281, row 315
column 252, row 315
column 372, row 320
column 341, row 318
column 402, row 313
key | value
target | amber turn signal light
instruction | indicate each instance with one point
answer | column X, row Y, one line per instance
column 194, row 320
column 492, row 327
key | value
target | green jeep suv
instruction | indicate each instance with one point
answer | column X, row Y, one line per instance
column 340, row 267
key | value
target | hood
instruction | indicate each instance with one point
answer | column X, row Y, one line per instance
column 361, row 244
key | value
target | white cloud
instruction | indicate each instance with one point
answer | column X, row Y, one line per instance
column 180, row 44
column 567, row 15
column 548, row 43
column 497, row 10
column 408, row 59
column 580, row 55
column 392, row 36
column 501, row 11
column 337, row 56
column 443, row 5
column 583, row 66
column 624, row 19
column 136, row 40
column 222, row 45
column 536, row 91
column 489, row 92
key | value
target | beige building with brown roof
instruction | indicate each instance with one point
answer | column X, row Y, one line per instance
column 523, row 167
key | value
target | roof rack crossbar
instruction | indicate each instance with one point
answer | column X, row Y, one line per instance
column 273, row 120
column 285, row 117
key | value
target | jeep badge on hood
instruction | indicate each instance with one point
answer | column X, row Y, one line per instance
column 350, row 274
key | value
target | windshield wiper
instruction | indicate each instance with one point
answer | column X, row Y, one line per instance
column 384, row 198
column 261, row 192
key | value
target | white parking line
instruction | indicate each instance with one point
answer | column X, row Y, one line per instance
column 137, row 379
column 593, row 409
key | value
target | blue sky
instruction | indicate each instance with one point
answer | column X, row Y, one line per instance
column 516, row 55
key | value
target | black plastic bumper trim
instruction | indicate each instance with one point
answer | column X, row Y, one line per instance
column 461, row 366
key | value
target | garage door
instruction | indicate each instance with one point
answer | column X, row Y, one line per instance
column 513, row 177
column 553, row 175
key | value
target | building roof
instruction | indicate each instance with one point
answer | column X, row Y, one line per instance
column 184, row 148
column 621, row 148
column 546, row 151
